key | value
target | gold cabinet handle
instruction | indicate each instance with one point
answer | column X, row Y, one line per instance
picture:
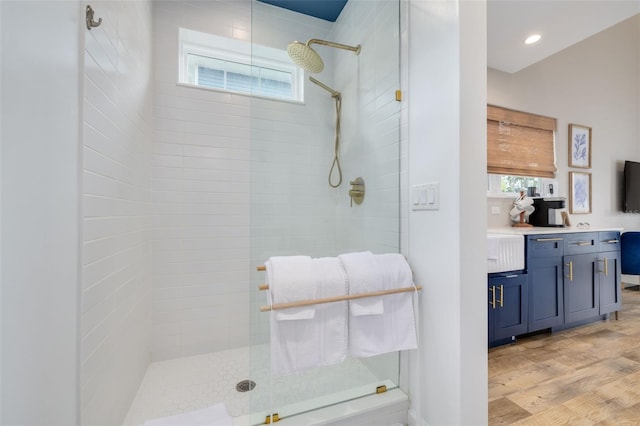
column 570, row 265
column 492, row 302
column 611, row 241
column 606, row 266
column 583, row 243
column 501, row 295
column 549, row 239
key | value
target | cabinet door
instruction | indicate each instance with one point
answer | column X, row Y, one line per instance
column 546, row 299
column 581, row 291
column 610, row 290
column 510, row 307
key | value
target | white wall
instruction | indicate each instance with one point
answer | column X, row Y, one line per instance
column 40, row 211
column 602, row 93
column 116, row 187
column 204, row 176
column 1, row 399
column 447, row 144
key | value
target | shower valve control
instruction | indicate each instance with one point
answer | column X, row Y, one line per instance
column 356, row 193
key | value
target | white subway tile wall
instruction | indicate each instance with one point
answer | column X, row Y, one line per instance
column 116, row 252
column 212, row 152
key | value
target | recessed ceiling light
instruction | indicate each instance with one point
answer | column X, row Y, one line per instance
column 533, row 38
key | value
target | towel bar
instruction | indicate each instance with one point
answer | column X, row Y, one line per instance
column 279, row 306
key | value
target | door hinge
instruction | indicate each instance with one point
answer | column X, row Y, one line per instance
column 275, row 416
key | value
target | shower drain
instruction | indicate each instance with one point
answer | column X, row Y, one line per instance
column 245, row 385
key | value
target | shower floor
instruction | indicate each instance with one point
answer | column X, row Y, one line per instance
column 190, row 383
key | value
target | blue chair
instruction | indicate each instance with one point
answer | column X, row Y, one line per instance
column 630, row 262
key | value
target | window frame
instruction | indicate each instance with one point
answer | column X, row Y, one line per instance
column 239, row 51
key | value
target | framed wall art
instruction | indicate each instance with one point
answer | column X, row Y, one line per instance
column 580, row 192
column 579, row 146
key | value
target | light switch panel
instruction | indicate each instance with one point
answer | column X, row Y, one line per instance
column 425, row 196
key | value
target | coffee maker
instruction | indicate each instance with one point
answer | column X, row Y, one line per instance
column 548, row 211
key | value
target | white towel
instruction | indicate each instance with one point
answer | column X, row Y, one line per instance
column 364, row 276
column 301, row 345
column 215, row 415
column 394, row 330
column 290, row 279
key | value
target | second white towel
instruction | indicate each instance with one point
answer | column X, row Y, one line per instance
column 394, row 329
column 364, row 276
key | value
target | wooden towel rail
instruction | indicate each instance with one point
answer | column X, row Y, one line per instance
column 279, row 306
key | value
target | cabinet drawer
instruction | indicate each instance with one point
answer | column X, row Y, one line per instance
column 545, row 245
column 581, row 242
column 609, row 241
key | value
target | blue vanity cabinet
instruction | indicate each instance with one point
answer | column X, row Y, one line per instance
column 581, row 277
column 508, row 305
column 608, row 267
column 544, row 256
column 581, row 287
column 570, row 278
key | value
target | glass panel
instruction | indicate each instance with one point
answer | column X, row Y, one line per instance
column 294, row 211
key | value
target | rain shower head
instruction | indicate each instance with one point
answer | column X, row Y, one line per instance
column 308, row 59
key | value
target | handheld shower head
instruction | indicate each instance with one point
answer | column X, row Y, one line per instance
column 308, row 59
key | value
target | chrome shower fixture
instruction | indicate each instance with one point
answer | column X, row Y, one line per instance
column 308, row 59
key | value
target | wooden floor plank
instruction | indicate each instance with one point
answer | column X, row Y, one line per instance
column 588, row 375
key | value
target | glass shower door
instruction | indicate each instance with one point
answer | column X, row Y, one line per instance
column 295, row 210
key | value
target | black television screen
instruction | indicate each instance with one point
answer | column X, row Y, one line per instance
column 631, row 200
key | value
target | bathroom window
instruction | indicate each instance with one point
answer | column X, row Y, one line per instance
column 237, row 66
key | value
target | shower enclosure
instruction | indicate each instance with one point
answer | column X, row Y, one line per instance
column 294, row 209
column 238, row 178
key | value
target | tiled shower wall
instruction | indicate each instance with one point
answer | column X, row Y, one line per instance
column 116, row 250
column 238, row 179
column 212, row 152
column 371, row 123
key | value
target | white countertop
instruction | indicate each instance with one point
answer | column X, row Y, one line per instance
column 546, row 230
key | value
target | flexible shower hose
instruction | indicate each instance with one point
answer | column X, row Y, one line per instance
column 336, row 146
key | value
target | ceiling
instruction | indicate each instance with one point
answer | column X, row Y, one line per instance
column 561, row 23
column 329, row 10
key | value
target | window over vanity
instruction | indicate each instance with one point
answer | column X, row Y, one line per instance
column 520, row 152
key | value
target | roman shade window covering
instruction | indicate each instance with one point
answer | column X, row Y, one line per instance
column 519, row 143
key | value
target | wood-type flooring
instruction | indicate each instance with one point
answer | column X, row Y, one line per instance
column 588, row 375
